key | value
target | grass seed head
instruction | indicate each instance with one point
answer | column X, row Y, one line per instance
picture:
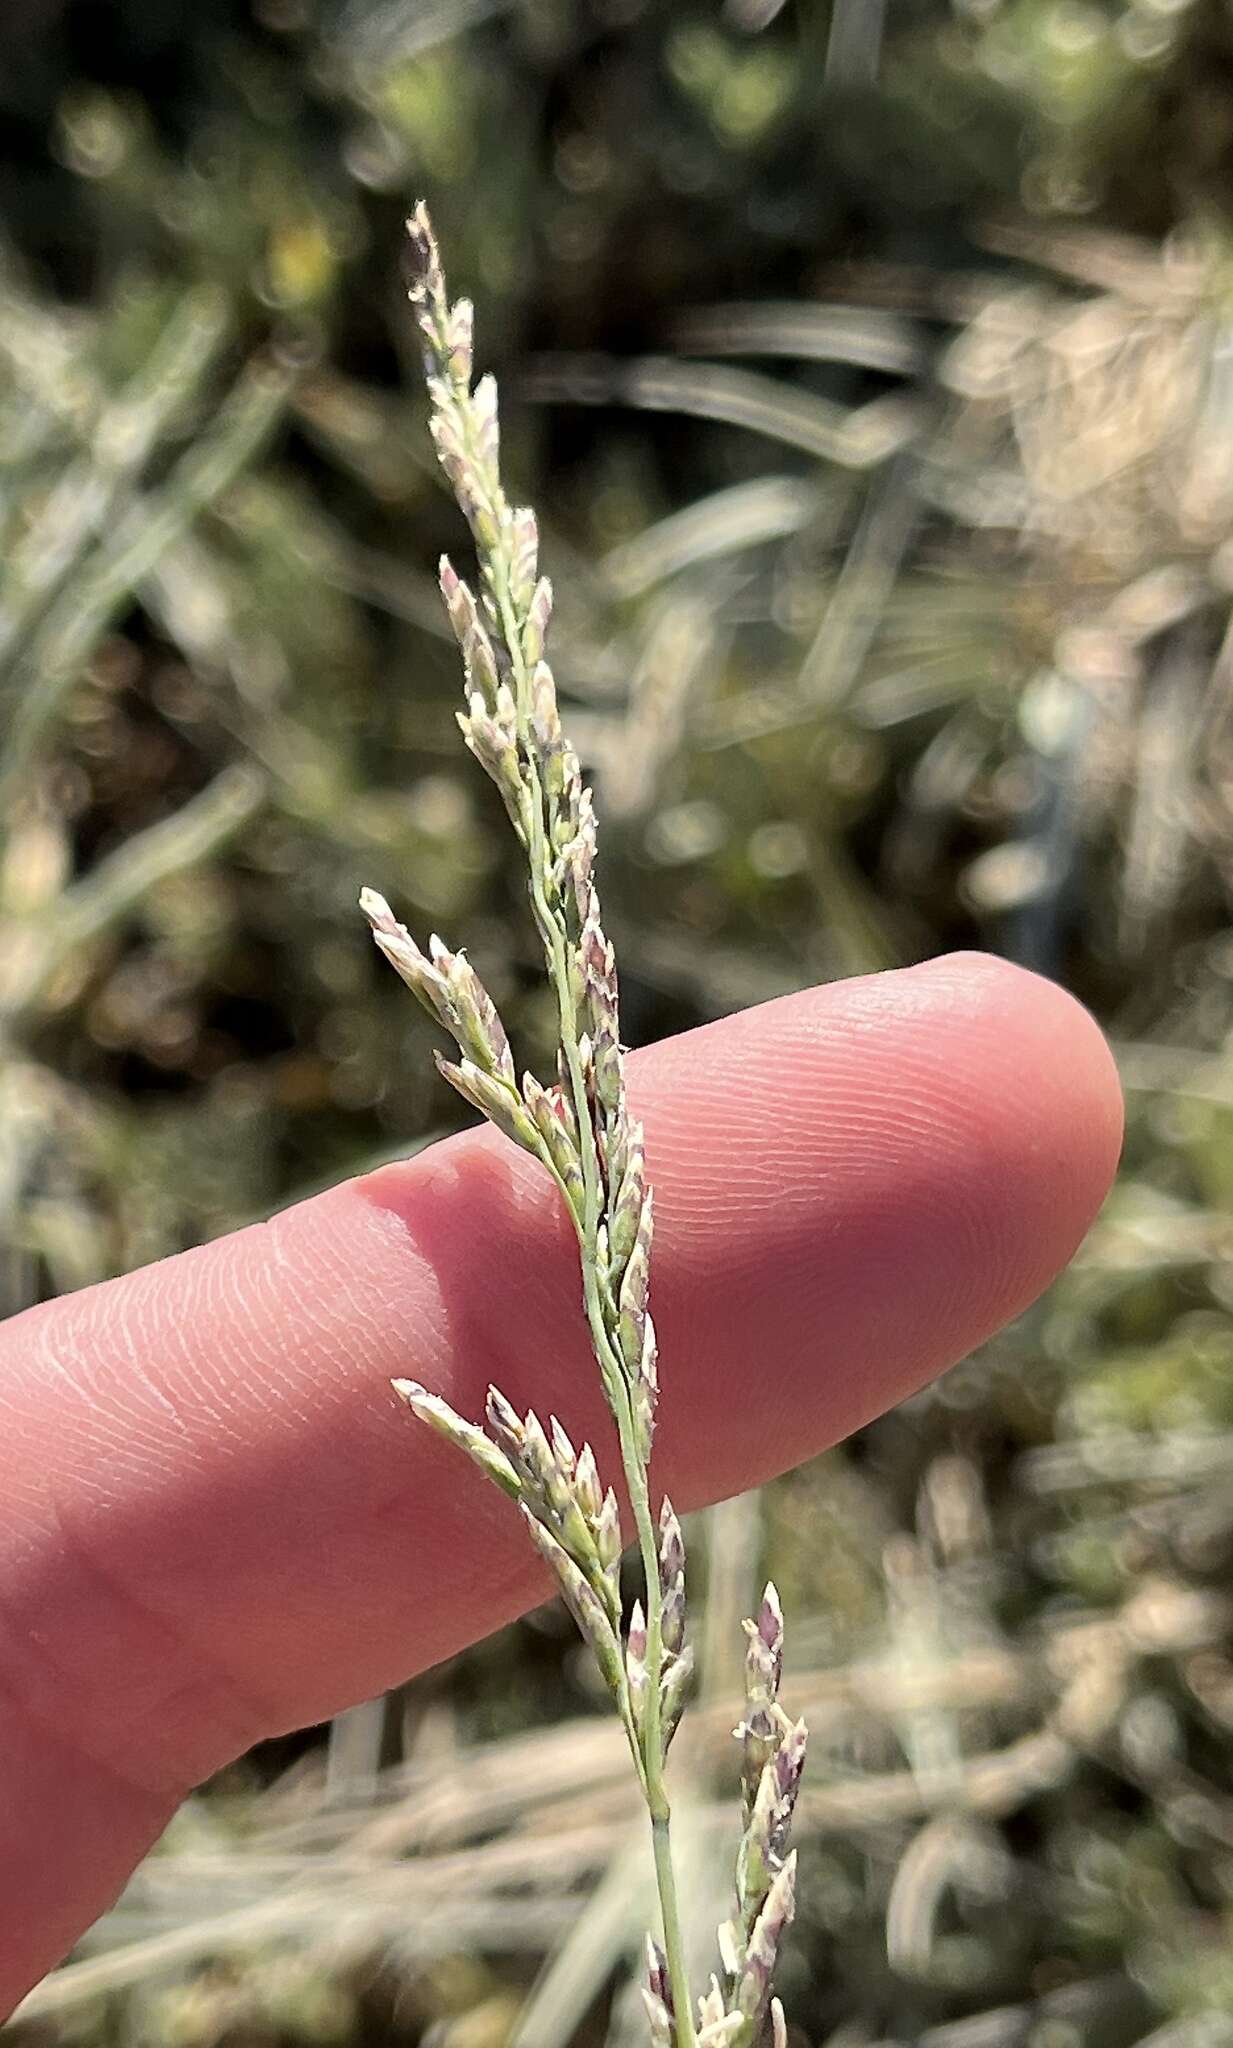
column 581, row 1131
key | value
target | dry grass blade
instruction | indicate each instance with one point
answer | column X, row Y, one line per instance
column 583, row 1961
column 78, row 508
column 73, row 627
column 741, row 516
column 857, row 607
column 37, row 948
column 855, row 43
column 377, row 34
column 854, row 438
column 861, row 335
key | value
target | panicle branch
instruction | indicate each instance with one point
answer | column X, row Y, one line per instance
column 772, row 1760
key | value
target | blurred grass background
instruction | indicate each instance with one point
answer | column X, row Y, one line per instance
column 872, row 368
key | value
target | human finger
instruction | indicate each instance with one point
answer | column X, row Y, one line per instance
column 221, row 1523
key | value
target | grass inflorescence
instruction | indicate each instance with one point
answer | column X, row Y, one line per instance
column 579, row 1127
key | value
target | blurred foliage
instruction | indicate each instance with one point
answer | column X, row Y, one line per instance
column 870, row 367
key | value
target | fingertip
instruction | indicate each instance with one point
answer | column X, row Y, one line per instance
column 1063, row 1097
column 896, row 1166
column 1027, row 1105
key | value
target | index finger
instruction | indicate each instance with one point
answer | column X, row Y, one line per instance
column 222, row 1524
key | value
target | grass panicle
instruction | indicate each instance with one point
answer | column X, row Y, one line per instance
column 580, row 1129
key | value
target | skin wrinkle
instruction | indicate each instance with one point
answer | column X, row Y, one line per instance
column 918, row 1131
column 113, row 1430
column 275, row 1403
column 162, row 1798
column 381, row 1422
column 109, row 1340
column 245, row 1298
column 131, row 1340
column 342, row 1277
column 110, row 1431
column 53, row 1794
column 338, row 1336
column 46, row 1706
column 210, row 1421
column 257, row 1721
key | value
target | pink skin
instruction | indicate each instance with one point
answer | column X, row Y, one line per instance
column 220, row 1523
